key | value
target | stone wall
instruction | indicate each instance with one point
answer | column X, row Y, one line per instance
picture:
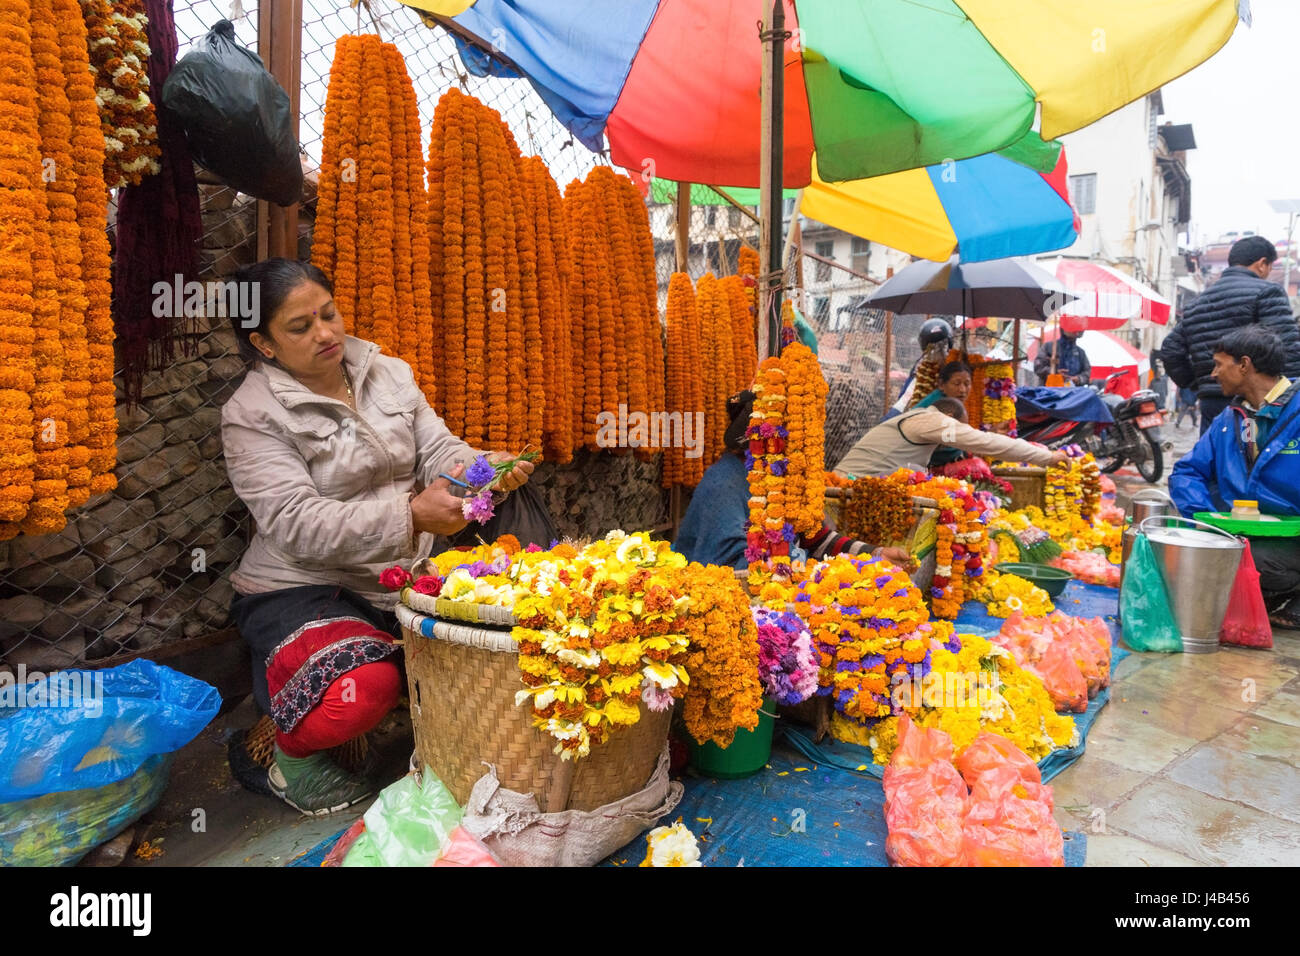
column 149, row 563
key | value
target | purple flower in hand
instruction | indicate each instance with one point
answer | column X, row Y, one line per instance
column 478, row 508
column 480, row 473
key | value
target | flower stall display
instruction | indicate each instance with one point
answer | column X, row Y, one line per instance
column 119, row 49
column 671, row 846
column 962, row 539
column 870, row 629
column 684, row 386
column 973, row 685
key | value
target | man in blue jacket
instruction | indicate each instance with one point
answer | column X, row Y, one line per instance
column 1251, row 450
column 1241, row 296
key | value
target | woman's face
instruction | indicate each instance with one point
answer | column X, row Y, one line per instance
column 958, row 386
column 306, row 333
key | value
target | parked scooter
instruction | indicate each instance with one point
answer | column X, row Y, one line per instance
column 1133, row 436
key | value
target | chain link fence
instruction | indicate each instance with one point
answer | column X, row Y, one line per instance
column 145, row 570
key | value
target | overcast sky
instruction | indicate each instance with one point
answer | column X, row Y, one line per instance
column 1247, row 143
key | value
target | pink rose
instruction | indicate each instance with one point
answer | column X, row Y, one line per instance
column 394, row 578
column 429, row 584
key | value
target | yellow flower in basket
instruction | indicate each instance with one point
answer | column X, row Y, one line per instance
column 628, row 652
column 618, row 711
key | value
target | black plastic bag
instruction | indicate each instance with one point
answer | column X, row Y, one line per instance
column 236, row 117
column 523, row 514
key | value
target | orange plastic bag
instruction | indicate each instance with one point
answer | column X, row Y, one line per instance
column 1096, row 631
column 1061, row 677
column 990, row 752
column 1083, row 651
column 925, row 800
column 1009, row 822
column 1246, row 623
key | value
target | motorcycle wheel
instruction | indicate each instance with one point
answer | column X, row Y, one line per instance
column 1152, row 465
column 1108, row 463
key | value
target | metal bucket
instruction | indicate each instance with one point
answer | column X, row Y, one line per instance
column 1198, row 567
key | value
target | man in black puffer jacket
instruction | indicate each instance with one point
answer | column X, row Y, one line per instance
column 1241, row 296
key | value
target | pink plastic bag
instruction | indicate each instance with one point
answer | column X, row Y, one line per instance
column 463, row 849
column 925, row 800
column 1246, row 623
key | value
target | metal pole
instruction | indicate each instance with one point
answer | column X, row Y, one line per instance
column 771, row 179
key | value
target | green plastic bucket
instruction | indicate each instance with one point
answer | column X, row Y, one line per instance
column 748, row 754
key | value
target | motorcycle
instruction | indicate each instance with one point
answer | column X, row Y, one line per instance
column 1132, row 436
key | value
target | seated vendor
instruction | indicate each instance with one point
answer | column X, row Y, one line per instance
column 337, row 454
column 1249, row 453
column 714, row 528
column 909, row 440
column 955, row 379
column 1071, row 361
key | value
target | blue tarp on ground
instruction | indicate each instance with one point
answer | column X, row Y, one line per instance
column 1070, row 404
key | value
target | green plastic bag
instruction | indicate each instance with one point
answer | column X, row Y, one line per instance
column 1144, row 610
column 407, row 825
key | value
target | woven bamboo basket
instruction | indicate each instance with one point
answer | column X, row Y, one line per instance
column 465, row 611
column 1028, row 486
column 463, row 682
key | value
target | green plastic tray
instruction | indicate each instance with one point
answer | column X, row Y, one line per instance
column 1278, row 528
column 1052, row 580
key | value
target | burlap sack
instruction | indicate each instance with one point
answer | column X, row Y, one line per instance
column 518, row 834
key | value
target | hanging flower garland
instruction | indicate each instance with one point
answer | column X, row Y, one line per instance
column 715, row 363
column 555, row 350
column 100, row 438
column 806, row 392
column 630, row 304
column 682, row 382
column 119, row 50
column 744, row 349
column 962, row 539
column 999, row 407
column 652, row 334
column 19, row 171
column 769, row 534
column 725, row 691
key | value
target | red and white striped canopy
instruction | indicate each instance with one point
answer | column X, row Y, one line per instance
column 1107, row 298
column 1107, row 353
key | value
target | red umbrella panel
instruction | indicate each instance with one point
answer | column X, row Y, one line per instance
column 1107, row 298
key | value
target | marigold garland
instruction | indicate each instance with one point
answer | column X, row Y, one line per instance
column 999, row 404
column 806, row 415
column 715, row 363
column 744, row 348
column 725, row 691
column 119, row 50
column 876, row 510
column 19, row 171
column 683, row 385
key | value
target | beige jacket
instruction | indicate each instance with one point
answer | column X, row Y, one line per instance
column 909, row 440
column 329, row 488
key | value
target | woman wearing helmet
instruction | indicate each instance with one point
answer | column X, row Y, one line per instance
column 934, row 334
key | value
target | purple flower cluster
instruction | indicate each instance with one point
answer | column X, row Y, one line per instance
column 478, row 507
column 480, row 473
column 787, row 664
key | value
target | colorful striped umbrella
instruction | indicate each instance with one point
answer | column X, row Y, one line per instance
column 988, row 207
column 1106, row 298
column 871, row 86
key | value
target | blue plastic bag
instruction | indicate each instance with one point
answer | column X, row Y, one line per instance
column 81, row 729
column 1146, row 615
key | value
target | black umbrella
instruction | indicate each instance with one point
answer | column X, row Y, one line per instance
column 1002, row 288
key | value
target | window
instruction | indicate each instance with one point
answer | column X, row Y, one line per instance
column 861, row 255
column 827, row 251
column 733, row 217
column 710, row 215
column 1083, row 193
column 821, row 310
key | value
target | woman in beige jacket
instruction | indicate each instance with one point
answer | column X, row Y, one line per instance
column 336, row 453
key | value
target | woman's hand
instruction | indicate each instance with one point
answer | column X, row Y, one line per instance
column 516, row 476
column 435, row 510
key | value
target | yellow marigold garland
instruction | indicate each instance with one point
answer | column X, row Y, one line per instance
column 682, row 321
column 334, row 234
column 119, row 54
column 806, row 416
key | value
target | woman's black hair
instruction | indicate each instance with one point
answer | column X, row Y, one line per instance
column 265, row 285
column 739, row 407
column 1263, row 346
column 953, row 368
